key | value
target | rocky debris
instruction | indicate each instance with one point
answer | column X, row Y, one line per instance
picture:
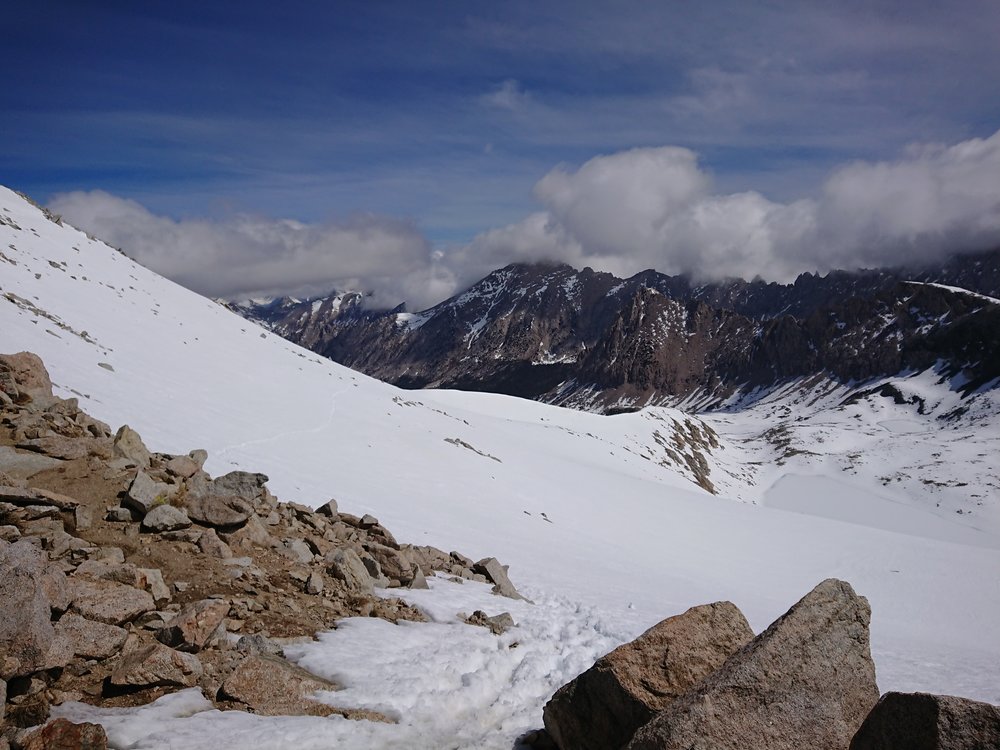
column 62, row 734
column 273, row 686
column 26, row 628
column 807, row 681
column 220, row 511
column 128, row 445
column 23, row 377
column 496, row 574
column 920, row 721
column 91, row 583
column 165, row 518
column 156, row 665
column 497, row 624
column 193, row 627
column 604, row 706
column 144, row 494
column 345, row 565
column 109, row 602
column 91, row 639
column 328, row 509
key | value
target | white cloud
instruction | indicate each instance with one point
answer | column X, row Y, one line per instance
column 508, row 95
column 623, row 213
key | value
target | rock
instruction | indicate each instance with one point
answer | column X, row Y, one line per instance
column 199, row 456
column 29, row 374
column 244, row 484
column 20, row 465
column 62, row 734
column 604, row 706
column 258, row 644
column 109, row 602
column 152, row 581
column 156, row 665
column 252, row 534
column 118, row 515
column 807, row 681
column 221, row 511
column 59, row 446
column 106, row 570
column 920, row 721
column 495, row 573
column 274, row 687
column 368, row 521
column 28, row 711
column 90, row 639
column 82, row 518
column 210, row 544
column 127, row 444
column 165, row 518
column 25, row 496
column 193, row 627
column 182, row 467
column 314, row 584
column 345, row 565
column 392, row 564
column 498, row 625
column 26, row 631
column 328, row 509
column 417, row 579
column 57, row 590
column 297, row 550
column 144, row 494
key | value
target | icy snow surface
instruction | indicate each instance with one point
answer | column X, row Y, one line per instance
column 602, row 528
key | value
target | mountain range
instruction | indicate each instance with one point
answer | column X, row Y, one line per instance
column 590, row 340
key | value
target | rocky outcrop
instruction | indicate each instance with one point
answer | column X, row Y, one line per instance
column 273, row 686
column 193, row 627
column 62, row 734
column 156, row 665
column 25, row 629
column 920, row 721
column 91, row 639
column 604, row 706
column 807, row 681
column 497, row 574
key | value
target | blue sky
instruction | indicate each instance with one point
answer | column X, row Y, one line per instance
column 446, row 115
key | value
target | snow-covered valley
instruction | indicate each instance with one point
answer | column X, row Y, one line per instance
column 606, row 522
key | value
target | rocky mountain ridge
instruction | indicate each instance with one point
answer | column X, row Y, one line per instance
column 590, row 340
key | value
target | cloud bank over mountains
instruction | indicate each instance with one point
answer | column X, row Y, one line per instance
column 623, row 212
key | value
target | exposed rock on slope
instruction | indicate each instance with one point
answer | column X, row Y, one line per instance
column 918, row 721
column 126, row 573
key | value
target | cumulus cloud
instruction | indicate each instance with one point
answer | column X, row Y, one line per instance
column 655, row 208
column 248, row 255
column 623, row 213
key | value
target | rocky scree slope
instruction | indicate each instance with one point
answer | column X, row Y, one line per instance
column 127, row 574
column 591, row 340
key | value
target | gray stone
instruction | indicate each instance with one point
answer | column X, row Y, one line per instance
column 297, row 550
column 21, row 465
column 314, row 584
column 82, row 518
column 182, row 467
column 496, row 574
column 210, row 544
column 90, row 639
column 26, row 631
column 272, row 686
column 29, row 373
column 252, row 534
column 199, row 456
column 152, row 581
column 156, row 665
column 221, row 511
column 345, row 565
column 195, row 625
column 165, row 518
column 328, row 509
column 498, row 625
column 118, row 515
column 807, row 681
column 144, row 494
column 604, row 706
column 417, row 580
column 920, row 721
column 258, row 644
column 31, row 496
column 109, row 602
column 127, row 444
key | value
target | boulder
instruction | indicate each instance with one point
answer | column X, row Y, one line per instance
column 90, row 639
column 273, row 686
column 497, row 574
column 297, row 550
column 28, row 496
column 498, row 625
column 328, row 509
column 345, row 565
column 258, row 644
column 192, row 628
column 252, row 534
column 243, row 484
column 128, row 445
column 109, row 602
column 920, row 721
column 604, row 706
column 417, row 579
column 58, row 446
column 144, row 494
column 26, row 631
column 62, row 734
column 165, row 518
column 156, row 665
column 221, row 511
column 29, row 374
column 182, row 467
column 199, row 456
column 807, row 681
column 210, row 544
column 314, row 584
column 392, row 564
column 151, row 579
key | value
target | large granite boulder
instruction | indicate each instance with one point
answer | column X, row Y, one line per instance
column 109, row 602
column 220, row 511
column 808, row 681
column 193, row 627
column 26, row 632
column 90, row 639
column 26, row 378
column 345, row 565
column 273, row 686
column 919, row 721
column 603, row 707
column 156, row 665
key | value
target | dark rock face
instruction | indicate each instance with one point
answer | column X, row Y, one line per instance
column 919, row 721
column 586, row 338
column 603, row 707
column 807, row 681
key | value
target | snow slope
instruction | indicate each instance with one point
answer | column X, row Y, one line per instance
column 604, row 528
